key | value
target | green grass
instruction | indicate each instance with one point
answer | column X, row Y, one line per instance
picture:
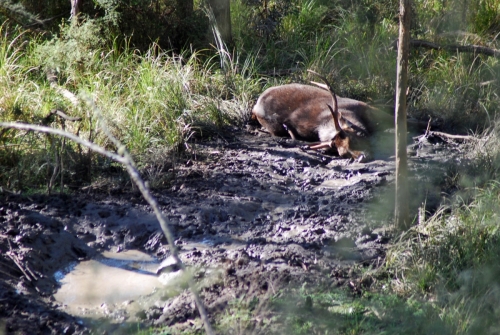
column 452, row 259
column 442, row 273
column 156, row 100
column 333, row 311
column 152, row 101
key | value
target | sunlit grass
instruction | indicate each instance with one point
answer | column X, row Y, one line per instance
column 151, row 101
column 461, row 88
column 322, row 310
column 442, row 272
column 452, row 258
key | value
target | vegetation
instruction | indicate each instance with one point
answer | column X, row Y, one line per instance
column 440, row 277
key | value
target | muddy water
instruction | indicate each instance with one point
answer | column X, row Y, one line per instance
column 107, row 282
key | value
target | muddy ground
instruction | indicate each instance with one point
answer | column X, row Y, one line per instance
column 251, row 214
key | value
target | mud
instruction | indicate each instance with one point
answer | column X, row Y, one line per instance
column 251, row 215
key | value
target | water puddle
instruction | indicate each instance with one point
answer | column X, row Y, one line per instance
column 108, row 284
column 123, row 286
column 340, row 183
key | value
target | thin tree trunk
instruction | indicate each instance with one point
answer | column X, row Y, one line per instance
column 75, row 9
column 402, row 213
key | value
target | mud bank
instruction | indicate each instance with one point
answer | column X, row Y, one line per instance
column 251, row 215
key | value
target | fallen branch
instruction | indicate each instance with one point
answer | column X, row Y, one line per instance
column 454, row 137
column 48, row 130
column 62, row 115
column 476, row 49
column 430, row 133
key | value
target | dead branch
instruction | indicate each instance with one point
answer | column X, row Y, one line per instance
column 5, row 190
column 430, row 133
column 4, row 264
column 8, row 274
column 48, row 130
column 13, row 257
column 62, row 115
column 471, row 48
column 454, row 137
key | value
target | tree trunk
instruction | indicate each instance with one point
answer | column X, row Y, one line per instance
column 75, row 9
column 222, row 13
column 402, row 213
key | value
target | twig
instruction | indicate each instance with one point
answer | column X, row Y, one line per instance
column 124, row 158
column 63, row 115
column 6, row 265
column 48, row 130
column 8, row 274
column 52, row 78
column 428, row 129
column 454, row 137
column 14, row 259
column 4, row 190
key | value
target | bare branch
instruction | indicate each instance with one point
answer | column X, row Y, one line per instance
column 62, row 115
column 454, row 137
column 49, row 130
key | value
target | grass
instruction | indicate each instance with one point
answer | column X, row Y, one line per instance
column 157, row 100
column 441, row 275
column 152, row 101
column 451, row 259
column 333, row 311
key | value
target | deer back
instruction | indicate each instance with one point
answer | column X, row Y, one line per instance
column 303, row 109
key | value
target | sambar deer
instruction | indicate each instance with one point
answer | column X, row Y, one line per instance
column 312, row 113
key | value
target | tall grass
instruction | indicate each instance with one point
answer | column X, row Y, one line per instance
column 153, row 102
column 452, row 258
column 459, row 88
column 157, row 101
column 328, row 38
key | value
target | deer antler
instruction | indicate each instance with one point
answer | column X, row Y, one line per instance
column 335, row 110
column 328, row 144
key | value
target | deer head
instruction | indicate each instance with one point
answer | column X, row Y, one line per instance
column 344, row 137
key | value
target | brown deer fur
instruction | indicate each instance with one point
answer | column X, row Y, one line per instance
column 315, row 114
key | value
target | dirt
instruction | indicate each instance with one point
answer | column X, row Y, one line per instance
column 251, row 215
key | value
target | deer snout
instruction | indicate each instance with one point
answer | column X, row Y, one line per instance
column 344, row 145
